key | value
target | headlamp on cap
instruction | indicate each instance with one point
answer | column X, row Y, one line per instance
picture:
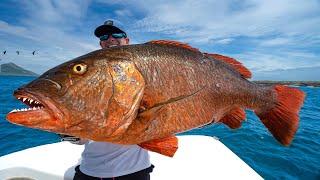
column 108, row 22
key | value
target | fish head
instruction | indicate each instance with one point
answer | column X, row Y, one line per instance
column 94, row 96
column 68, row 99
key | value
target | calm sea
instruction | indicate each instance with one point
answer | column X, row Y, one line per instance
column 252, row 142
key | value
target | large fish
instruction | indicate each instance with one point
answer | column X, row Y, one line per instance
column 146, row 93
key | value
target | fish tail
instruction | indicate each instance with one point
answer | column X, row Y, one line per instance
column 282, row 120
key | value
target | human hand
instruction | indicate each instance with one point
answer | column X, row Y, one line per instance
column 72, row 139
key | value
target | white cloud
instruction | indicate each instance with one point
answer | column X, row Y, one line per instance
column 222, row 19
column 223, row 41
column 275, row 42
column 50, row 26
column 276, row 34
column 14, row 30
column 263, row 61
column 123, row 12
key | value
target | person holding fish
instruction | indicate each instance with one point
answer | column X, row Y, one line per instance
column 103, row 160
column 140, row 96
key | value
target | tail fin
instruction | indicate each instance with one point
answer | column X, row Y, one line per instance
column 283, row 119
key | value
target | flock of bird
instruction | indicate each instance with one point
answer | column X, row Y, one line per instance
column 18, row 52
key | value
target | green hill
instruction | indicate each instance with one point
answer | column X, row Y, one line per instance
column 11, row 69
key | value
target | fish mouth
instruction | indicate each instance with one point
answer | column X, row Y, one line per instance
column 41, row 114
column 33, row 103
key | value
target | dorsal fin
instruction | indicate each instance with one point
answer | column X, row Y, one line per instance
column 234, row 63
column 174, row 43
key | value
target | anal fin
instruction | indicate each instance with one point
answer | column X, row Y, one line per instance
column 165, row 146
column 234, row 118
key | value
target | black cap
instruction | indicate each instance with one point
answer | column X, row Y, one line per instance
column 107, row 28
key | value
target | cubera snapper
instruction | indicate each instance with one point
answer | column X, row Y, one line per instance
column 146, row 93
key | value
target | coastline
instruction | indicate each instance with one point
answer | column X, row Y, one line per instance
column 292, row 83
column 18, row 75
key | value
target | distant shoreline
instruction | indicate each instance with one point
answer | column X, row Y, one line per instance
column 292, row 83
column 19, row 75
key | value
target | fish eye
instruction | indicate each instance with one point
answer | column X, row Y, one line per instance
column 80, row 68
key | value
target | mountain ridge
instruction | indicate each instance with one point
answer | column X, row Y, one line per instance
column 11, row 69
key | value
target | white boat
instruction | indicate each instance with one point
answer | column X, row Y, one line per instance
column 198, row 157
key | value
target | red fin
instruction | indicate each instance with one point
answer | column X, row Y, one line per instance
column 174, row 43
column 234, row 118
column 283, row 119
column 165, row 146
column 234, row 63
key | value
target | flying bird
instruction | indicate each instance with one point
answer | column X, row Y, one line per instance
column 33, row 52
column 4, row 52
column 17, row 52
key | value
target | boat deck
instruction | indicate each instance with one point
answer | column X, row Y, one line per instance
column 198, row 157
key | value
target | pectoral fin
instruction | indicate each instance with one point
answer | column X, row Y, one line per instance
column 165, row 146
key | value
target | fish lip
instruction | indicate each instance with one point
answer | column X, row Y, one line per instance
column 48, row 105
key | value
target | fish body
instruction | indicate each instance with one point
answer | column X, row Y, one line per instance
column 145, row 93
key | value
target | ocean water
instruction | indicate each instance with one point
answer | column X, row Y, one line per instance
column 252, row 142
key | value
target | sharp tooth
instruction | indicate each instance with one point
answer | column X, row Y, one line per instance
column 24, row 99
column 31, row 100
column 34, row 108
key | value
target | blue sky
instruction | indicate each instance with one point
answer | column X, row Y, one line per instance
column 264, row 35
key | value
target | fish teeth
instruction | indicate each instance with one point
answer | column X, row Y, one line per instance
column 15, row 110
column 34, row 105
